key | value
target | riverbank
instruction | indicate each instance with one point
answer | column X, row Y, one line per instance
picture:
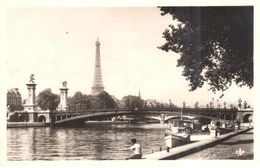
column 185, row 150
column 240, row 147
column 26, row 124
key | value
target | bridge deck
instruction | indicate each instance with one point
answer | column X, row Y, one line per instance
column 159, row 114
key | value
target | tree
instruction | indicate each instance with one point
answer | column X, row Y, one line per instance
column 106, row 101
column 215, row 45
column 132, row 102
column 207, row 105
column 47, row 100
column 82, row 101
column 75, row 102
column 196, row 105
column 219, row 105
column 11, row 107
column 78, row 97
column 225, row 103
column 211, row 104
column 231, row 106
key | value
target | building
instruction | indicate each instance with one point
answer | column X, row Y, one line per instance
column 14, row 99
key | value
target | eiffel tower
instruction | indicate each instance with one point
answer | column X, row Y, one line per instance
column 97, row 85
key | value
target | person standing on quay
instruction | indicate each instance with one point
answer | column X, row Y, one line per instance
column 216, row 132
column 136, row 148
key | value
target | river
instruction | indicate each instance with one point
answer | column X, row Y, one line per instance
column 90, row 142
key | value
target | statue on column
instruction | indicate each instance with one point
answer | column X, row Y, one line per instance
column 64, row 84
column 63, row 106
column 30, row 105
column 32, row 78
column 239, row 103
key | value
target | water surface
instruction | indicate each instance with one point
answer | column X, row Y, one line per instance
column 90, row 142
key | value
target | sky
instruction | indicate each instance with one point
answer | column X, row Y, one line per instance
column 58, row 44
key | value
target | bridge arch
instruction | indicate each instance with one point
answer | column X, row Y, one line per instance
column 152, row 118
column 42, row 118
column 178, row 117
column 247, row 118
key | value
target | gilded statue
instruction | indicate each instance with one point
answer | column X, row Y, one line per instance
column 64, row 84
column 32, row 78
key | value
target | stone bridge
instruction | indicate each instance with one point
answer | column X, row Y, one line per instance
column 245, row 115
column 161, row 115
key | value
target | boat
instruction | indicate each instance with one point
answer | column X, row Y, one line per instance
column 178, row 135
column 222, row 127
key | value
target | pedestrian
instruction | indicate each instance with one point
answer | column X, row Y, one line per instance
column 136, row 148
column 216, row 132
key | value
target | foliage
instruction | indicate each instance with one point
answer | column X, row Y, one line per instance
column 19, row 108
column 151, row 103
column 211, row 104
column 196, row 105
column 47, row 100
column 215, row 45
column 79, row 101
column 132, row 102
column 84, row 102
column 11, row 108
column 106, row 101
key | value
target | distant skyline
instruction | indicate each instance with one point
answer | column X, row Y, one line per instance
column 58, row 44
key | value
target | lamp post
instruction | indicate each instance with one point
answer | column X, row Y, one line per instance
column 239, row 103
column 225, row 103
column 183, row 104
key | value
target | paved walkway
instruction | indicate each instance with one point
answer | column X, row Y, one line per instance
column 181, row 151
column 237, row 147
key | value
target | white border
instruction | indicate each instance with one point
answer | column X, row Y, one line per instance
column 120, row 3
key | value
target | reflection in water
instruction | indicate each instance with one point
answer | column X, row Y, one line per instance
column 91, row 142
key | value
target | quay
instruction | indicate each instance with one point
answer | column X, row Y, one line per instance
column 26, row 124
column 239, row 147
column 185, row 150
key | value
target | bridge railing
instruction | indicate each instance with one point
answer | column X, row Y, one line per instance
column 203, row 111
column 175, row 109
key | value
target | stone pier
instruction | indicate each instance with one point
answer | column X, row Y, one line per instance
column 162, row 118
column 30, row 105
column 63, row 106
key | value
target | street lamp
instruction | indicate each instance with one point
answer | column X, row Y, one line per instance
column 183, row 104
column 239, row 103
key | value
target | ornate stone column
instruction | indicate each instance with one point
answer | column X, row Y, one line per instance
column 30, row 105
column 63, row 106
